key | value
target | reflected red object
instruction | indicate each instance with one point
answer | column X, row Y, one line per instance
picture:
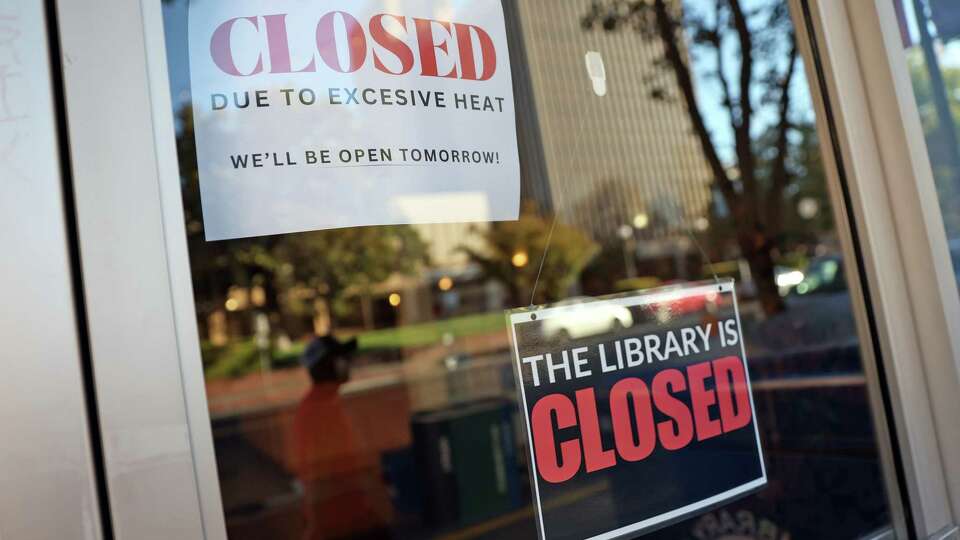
column 687, row 304
column 340, row 474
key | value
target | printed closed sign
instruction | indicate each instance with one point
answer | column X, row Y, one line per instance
column 638, row 410
column 315, row 115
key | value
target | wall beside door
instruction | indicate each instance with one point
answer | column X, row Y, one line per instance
column 45, row 457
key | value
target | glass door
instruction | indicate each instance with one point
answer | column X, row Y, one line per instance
column 659, row 144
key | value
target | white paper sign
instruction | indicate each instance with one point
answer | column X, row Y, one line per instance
column 339, row 113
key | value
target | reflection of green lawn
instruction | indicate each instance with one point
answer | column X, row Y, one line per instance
column 419, row 335
column 240, row 357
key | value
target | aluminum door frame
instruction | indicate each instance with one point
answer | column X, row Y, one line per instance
column 46, row 457
column 157, row 444
column 891, row 196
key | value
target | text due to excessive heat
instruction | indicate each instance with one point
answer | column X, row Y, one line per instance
column 319, row 115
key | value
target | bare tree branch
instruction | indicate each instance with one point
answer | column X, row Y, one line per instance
column 779, row 176
column 666, row 27
column 721, row 64
column 744, row 148
column 757, row 202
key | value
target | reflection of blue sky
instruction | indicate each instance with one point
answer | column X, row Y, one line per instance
column 710, row 92
column 708, row 88
column 175, row 30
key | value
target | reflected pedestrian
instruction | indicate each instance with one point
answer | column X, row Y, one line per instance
column 344, row 495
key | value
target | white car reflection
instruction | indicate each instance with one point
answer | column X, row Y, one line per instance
column 584, row 317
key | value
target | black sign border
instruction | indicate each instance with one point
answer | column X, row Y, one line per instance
column 654, row 523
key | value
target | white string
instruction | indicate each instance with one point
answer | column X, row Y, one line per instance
column 543, row 259
column 703, row 254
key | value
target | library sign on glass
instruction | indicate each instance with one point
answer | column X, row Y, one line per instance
column 638, row 410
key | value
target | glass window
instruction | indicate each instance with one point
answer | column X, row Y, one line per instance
column 334, row 360
column 929, row 30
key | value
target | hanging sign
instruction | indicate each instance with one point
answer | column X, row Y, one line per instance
column 638, row 410
column 314, row 115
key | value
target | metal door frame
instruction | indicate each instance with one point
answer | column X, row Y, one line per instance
column 49, row 452
column 891, row 201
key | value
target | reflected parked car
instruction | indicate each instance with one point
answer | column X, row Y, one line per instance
column 585, row 317
column 817, row 313
column 684, row 304
column 823, row 275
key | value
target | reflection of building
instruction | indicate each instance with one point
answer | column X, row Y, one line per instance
column 601, row 161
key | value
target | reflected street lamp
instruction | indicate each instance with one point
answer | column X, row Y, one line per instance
column 641, row 221
column 520, row 259
column 626, row 233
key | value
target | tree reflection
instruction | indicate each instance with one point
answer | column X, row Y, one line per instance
column 333, row 267
column 734, row 67
column 516, row 254
column 749, row 51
